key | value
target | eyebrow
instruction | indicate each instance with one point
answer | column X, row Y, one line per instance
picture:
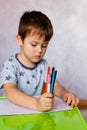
column 40, row 42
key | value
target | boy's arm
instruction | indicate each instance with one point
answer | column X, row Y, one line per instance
column 18, row 97
column 59, row 90
column 69, row 98
column 43, row 103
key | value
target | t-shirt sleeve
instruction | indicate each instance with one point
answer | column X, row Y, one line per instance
column 8, row 73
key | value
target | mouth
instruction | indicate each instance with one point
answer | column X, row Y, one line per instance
column 37, row 57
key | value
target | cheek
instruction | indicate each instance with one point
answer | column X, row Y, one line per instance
column 28, row 48
column 44, row 50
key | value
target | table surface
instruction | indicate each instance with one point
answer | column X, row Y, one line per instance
column 61, row 120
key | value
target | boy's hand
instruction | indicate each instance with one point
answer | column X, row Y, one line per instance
column 45, row 102
column 71, row 99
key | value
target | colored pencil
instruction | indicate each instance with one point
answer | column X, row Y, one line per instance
column 53, row 78
column 48, row 79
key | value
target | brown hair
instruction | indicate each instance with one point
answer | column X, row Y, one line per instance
column 35, row 22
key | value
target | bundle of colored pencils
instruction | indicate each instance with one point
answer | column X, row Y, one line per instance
column 50, row 79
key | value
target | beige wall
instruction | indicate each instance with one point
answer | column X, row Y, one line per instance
column 68, row 47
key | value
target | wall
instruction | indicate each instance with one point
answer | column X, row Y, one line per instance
column 67, row 49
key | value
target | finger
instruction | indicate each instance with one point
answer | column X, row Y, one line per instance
column 50, row 104
column 47, row 108
column 69, row 100
column 77, row 101
column 47, row 101
column 73, row 102
column 65, row 98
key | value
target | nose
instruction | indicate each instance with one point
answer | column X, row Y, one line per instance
column 39, row 48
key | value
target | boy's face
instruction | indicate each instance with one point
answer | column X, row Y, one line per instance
column 33, row 49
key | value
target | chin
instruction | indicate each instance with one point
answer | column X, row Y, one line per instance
column 36, row 61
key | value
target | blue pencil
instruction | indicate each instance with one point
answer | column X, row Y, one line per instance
column 53, row 77
column 53, row 69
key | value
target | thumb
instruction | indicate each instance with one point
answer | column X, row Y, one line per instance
column 48, row 95
column 65, row 98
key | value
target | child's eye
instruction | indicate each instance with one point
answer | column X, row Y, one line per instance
column 34, row 45
column 44, row 46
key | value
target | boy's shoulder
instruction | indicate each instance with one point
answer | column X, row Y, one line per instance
column 11, row 60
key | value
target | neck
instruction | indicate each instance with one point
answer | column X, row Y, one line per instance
column 25, row 61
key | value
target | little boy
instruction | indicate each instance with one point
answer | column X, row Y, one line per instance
column 24, row 73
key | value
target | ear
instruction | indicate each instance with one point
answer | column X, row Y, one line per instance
column 19, row 40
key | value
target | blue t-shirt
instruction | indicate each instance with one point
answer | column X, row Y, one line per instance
column 28, row 80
